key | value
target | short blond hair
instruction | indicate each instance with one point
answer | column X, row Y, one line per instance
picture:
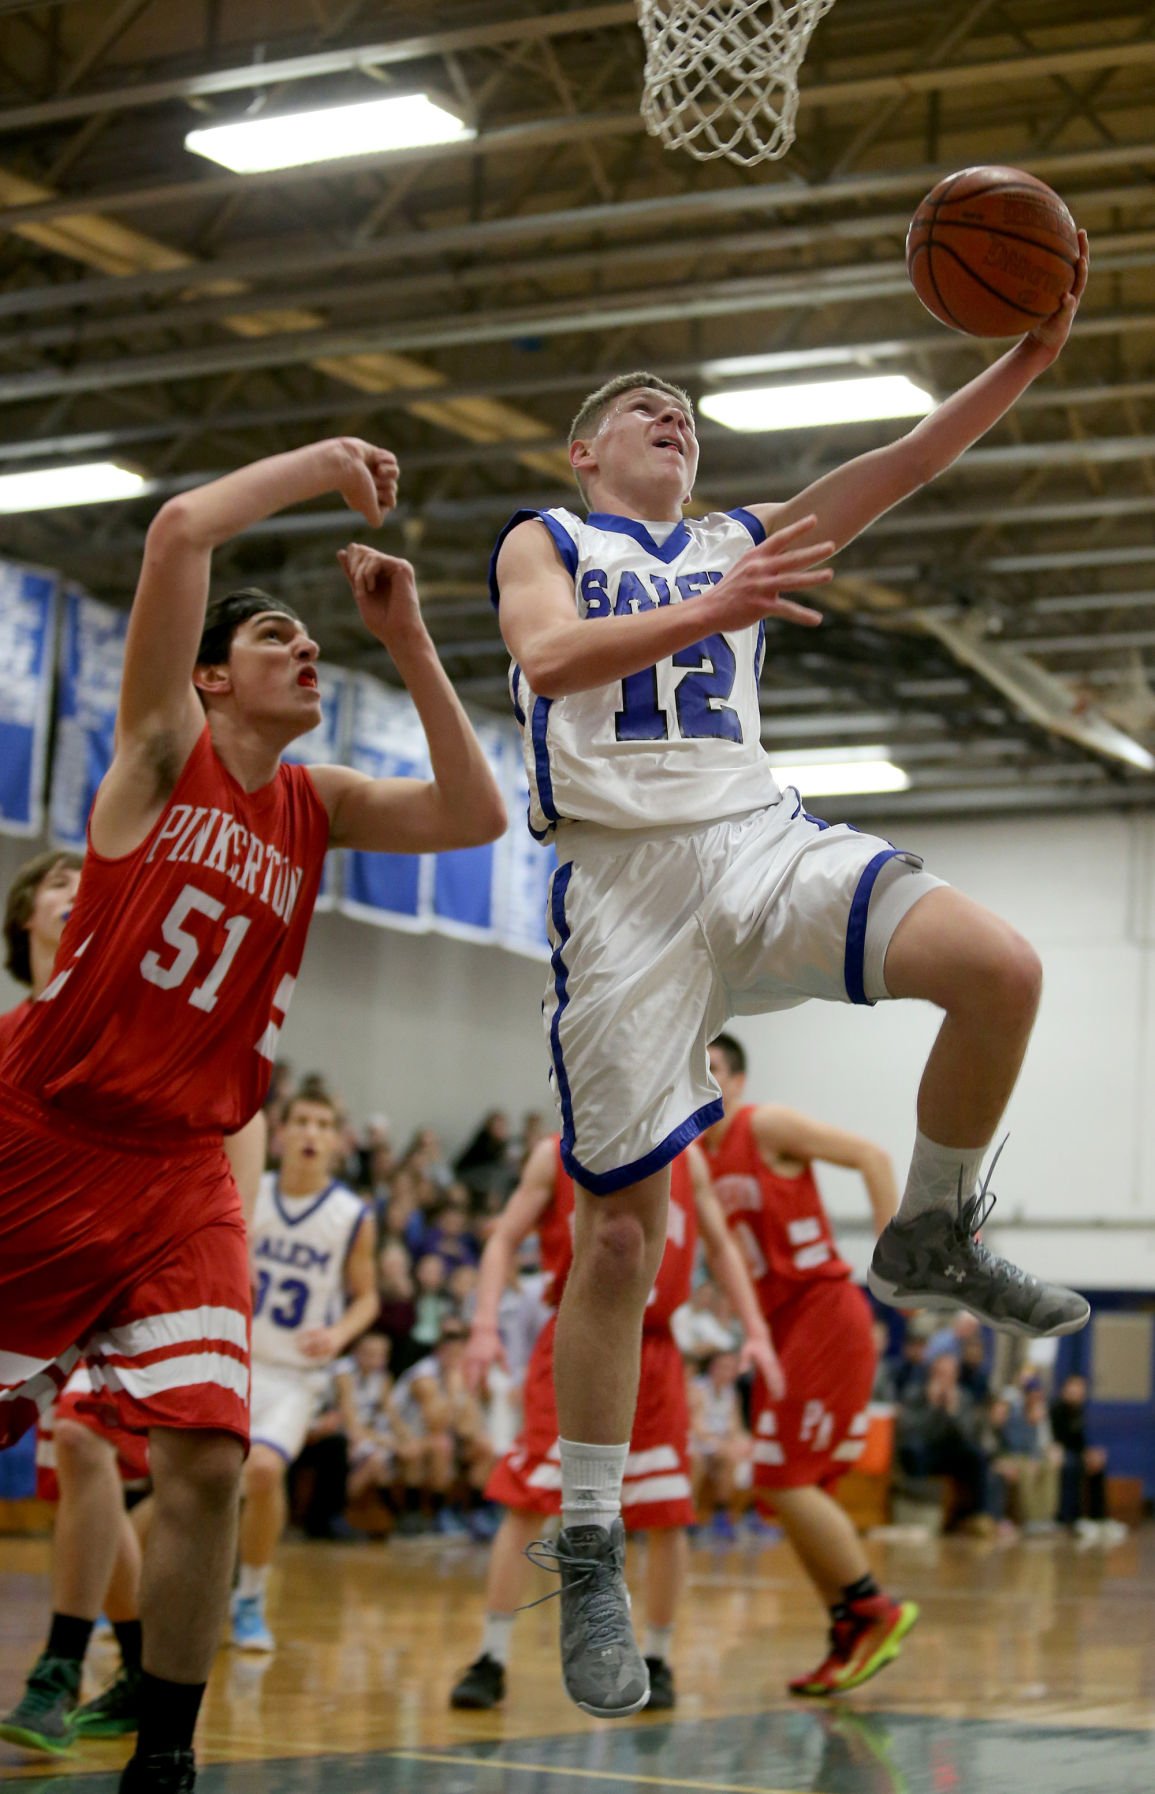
column 593, row 407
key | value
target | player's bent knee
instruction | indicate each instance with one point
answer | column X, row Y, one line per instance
column 78, row 1448
column 264, row 1471
column 195, row 1466
column 617, row 1250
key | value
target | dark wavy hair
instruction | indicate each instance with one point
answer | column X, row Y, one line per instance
column 226, row 613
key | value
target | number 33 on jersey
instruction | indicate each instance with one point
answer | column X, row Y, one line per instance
column 693, row 719
column 178, row 961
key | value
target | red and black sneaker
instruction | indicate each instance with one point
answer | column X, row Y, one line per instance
column 864, row 1642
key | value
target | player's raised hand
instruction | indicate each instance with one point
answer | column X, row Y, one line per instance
column 787, row 561
column 385, row 589
column 366, row 477
column 759, row 1355
column 482, row 1352
column 1053, row 332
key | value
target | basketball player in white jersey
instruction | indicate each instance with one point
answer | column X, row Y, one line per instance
column 312, row 1246
column 690, row 889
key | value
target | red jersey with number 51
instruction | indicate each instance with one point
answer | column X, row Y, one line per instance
column 676, row 1271
column 779, row 1222
column 178, row 962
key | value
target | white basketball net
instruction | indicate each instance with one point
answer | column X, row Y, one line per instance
column 722, row 75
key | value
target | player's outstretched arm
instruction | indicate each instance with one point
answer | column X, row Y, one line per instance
column 517, row 1219
column 461, row 805
column 846, row 501
column 159, row 717
column 728, row 1269
column 786, row 1134
column 560, row 652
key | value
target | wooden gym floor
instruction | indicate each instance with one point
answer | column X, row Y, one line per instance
column 1032, row 1672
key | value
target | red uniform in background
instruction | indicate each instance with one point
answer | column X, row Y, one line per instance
column 820, row 1321
column 131, row 1448
column 120, row 1225
column 656, row 1488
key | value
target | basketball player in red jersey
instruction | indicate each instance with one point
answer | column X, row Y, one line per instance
column 656, row 1495
column 761, row 1161
column 83, row 1457
column 120, row 1224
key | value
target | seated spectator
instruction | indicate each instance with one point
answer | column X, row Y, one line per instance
column 461, row 1288
column 483, row 1164
column 425, row 1157
column 397, row 1314
column 434, row 1302
column 1030, row 1461
column 939, row 1435
column 721, row 1447
column 700, row 1328
column 910, row 1372
column 1083, row 1474
column 376, row 1160
column 383, row 1454
column 447, row 1233
column 448, row 1424
column 973, row 1375
column 885, row 1387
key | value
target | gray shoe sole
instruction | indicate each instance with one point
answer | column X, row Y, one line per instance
column 615, row 1712
column 897, row 1295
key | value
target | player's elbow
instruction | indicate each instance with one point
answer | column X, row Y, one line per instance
column 174, row 525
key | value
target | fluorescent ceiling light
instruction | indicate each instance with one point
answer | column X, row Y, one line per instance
column 831, row 772
column 816, row 402
column 51, row 488
column 406, row 121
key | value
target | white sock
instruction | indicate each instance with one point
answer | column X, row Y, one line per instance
column 252, row 1580
column 658, row 1642
column 495, row 1639
column 591, row 1483
column 933, row 1179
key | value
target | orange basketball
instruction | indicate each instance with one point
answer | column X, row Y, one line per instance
column 992, row 251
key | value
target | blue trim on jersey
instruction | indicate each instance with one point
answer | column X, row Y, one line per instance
column 807, row 817
column 854, row 967
column 605, row 1183
column 759, row 652
column 667, row 551
column 295, row 1220
column 539, row 730
column 562, row 540
column 514, row 676
column 559, row 886
column 748, row 521
column 539, row 834
column 271, row 1445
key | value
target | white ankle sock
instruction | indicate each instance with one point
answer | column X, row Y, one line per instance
column 658, row 1642
column 933, row 1179
column 252, row 1580
column 591, row 1483
column 495, row 1639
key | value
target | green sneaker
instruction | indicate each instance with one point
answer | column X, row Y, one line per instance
column 40, row 1720
column 113, row 1713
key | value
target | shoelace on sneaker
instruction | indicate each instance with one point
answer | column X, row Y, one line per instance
column 603, row 1619
column 50, row 1678
column 973, row 1215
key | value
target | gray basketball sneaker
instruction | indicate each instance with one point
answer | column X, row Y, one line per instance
column 602, row 1668
column 937, row 1260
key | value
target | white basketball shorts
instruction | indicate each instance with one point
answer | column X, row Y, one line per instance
column 660, row 936
column 284, row 1402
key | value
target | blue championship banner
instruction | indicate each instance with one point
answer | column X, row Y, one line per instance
column 525, row 866
column 464, row 881
column 90, row 665
column 27, row 615
column 386, row 741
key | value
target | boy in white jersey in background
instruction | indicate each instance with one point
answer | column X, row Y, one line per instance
column 690, row 889
column 312, row 1244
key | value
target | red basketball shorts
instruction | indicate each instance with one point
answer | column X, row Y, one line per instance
column 822, row 1337
column 656, row 1489
column 138, row 1260
column 74, row 1404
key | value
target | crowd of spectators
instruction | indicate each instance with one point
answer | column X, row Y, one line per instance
column 401, row 1432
